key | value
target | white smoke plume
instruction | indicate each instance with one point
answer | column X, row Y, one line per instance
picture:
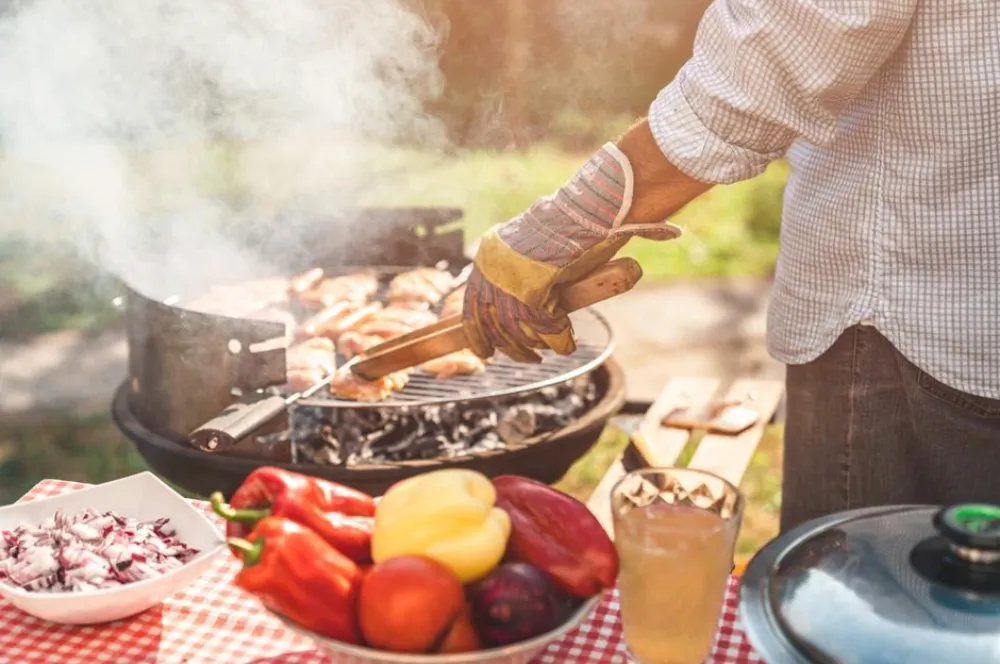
column 141, row 133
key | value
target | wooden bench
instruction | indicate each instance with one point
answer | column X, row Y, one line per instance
column 725, row 455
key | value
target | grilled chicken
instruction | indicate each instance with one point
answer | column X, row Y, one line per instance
column 348, row 386
column 453, row 302
column 426, row 284
column 357, row 317
column 334, row 321
column 357, row 287
column 462, row 363
column 313, row 327
column 309, row 362
column 303, row 283
column 394, row 321
column 372, row 325
column 353, row 343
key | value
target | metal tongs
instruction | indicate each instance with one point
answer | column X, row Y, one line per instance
column 409, row 350
column 448, row 336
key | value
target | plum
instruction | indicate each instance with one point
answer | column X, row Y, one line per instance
column 514, row 603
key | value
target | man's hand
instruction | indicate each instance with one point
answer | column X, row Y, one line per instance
column 623, row 191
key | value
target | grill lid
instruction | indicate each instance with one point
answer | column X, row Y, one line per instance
column 886, row 585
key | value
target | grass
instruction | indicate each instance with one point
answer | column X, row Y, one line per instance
column 68, row 446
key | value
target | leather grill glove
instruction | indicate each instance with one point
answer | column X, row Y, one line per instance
column 560, row 239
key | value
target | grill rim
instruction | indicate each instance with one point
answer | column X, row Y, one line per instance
column 512, row 389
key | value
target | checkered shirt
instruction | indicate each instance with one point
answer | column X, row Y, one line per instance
column 889, row 111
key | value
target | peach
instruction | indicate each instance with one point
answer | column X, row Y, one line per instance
column 409, row 604
column 461, row 637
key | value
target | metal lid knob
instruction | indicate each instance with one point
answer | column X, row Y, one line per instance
column 972, row 531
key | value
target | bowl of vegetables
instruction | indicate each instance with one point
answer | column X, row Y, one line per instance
column 104, row 552
column 446, row 567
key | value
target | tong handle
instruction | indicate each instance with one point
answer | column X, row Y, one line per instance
column 448, row 336
column 608, row 281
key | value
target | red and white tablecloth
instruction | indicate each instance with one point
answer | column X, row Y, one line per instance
column 211, row 622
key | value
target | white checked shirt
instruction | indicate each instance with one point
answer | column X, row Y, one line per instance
column 889, row 111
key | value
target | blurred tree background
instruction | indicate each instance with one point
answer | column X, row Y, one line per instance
column 530, row 88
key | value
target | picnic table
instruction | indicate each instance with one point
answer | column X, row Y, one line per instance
column 212, row 622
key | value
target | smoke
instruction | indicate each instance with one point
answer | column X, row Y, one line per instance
column 145, row 135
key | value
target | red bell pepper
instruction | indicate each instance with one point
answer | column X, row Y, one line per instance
column 557, row 534
column 342, row 516
column 295, row 573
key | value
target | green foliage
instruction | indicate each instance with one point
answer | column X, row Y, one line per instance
column 48, row 290
column 67, row 446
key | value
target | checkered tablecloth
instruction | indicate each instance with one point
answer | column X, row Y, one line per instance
column 212, row 622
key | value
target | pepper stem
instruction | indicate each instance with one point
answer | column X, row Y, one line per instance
column 229, row 513
column 250, row 550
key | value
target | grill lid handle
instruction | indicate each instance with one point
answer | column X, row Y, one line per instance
column 236, row 422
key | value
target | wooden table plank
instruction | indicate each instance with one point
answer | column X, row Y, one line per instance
column 729, row 456
column 658, row 445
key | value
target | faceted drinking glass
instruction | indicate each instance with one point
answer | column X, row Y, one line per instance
column 675, row 531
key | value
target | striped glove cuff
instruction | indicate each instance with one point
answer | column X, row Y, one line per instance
column 585, row 212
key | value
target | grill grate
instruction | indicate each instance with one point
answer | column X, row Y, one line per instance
column 503, row 376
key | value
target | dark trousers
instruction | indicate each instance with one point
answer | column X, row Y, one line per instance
column 866, row 427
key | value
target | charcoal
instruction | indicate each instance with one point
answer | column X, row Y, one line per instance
column 366, row 436
column 518, row 424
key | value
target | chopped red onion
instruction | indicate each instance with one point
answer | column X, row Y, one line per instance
column 89, row 551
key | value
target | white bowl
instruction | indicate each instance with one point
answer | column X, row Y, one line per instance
column 516, row 653
column 140, row 496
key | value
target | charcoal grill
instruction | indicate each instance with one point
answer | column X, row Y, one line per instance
column 186, row 366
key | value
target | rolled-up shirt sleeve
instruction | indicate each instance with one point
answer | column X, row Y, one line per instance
column 767, row 72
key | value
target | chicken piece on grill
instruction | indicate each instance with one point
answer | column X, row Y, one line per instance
column 412, row 318
column 334, row 321
column 462, row 363
column 356, row 287
column 453, row 302
column 358, row 316
column 393, row 321
column 383, row 330
column 313, row 327
column 425, row 284
column 353, row 343
column 303, row 283
column 309, row 362
column 411, row 305
column 348, row 386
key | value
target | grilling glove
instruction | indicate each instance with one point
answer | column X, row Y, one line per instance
column 509, row 304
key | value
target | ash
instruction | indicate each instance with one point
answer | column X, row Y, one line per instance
column 365, row 436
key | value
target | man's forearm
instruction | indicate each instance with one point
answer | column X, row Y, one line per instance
column 660, row 189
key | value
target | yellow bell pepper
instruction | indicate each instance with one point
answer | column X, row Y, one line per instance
column 448, row 515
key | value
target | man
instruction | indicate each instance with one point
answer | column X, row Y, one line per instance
column 886, row 304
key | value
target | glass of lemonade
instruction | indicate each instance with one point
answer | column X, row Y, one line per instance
column 675, row 531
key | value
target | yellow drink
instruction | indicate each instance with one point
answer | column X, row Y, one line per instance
column 674, row 565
